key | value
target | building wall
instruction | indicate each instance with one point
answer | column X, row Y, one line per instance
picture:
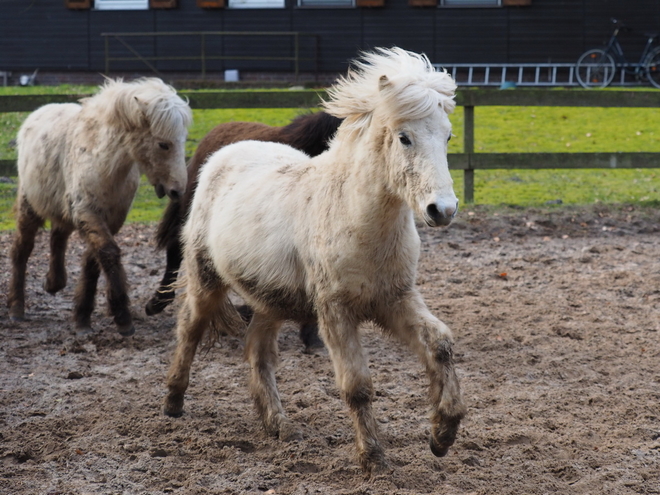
column 44, row 34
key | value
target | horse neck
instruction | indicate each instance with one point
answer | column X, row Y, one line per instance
column 124, row 162
column 110, row 140
column 363, row 168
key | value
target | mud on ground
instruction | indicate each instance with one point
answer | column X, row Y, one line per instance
column 556, row 316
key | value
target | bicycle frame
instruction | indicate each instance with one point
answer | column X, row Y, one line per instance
column 615, row 49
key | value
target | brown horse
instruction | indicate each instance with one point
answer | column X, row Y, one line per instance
column 309, row 133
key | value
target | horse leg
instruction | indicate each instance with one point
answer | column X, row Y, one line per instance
column 261, row 353
column 56, row 277
column 309, row 334
column 309, row 330
column 27, row 224
column 165, row 293
column 108, row 255
column 195, row 315
column 432, row 340
column 86, row 291
column 354, row 382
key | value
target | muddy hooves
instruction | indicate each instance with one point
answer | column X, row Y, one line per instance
column 126, row 330
column 173, row 406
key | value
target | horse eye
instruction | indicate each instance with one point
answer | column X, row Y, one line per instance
column 405, row 140
column 164, row 146
column 449, row 138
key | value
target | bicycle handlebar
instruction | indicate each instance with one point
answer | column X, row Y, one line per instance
column 620, row 26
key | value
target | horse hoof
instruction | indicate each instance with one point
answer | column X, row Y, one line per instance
column 52, row 289
column 373, row 462
column 126, row 330
column 443, row 436
column 437, row 450
column 314, row 347
column 173, row 405
column 83, row 331
column 156, row 305
column 16, row 313
column 289, row 433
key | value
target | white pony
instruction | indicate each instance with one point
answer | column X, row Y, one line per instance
column 331, row 237
column 79, row 166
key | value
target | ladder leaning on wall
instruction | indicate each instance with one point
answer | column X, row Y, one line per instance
column 512, row 75
column 531, row 75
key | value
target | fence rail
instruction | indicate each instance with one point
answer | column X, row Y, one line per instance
column 468, row 161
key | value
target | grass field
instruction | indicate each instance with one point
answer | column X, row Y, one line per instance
column 497, row 129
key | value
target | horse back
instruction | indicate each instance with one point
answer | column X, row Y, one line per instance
column 42, row 145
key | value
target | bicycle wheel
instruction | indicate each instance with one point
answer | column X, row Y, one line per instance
column 595, row 69
column 652, row 67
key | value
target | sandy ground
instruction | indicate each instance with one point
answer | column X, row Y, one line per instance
column 556, row 316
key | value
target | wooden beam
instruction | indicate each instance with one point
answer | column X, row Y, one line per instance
column 539, row 161
column 311, row 99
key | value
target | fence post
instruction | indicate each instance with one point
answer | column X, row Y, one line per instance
column 468, row 148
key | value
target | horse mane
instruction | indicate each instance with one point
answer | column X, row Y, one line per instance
column 404, row 82
column 310, row 132
column 143, row 103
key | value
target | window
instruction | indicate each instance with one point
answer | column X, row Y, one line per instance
column 326, row 3
column 256, row 4
column 121, row 4
column 470, row 3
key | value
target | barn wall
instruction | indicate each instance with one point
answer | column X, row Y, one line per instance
column 44, row 34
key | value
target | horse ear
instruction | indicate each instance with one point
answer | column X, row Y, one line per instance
column 142, row 107
column 383, row 82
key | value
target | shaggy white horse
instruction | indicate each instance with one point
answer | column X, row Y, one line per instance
column 331, row 237
column 79, row 166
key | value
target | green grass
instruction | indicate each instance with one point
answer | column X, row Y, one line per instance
column 62, row 89
column 497, row 129
column 7, row 197
column 560, row 129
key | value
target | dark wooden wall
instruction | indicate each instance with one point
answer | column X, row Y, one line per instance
column 44, row 34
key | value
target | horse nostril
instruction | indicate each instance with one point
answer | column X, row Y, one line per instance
column 438, row 217
column 174, row 195
column 160, row 190
column 432, row 211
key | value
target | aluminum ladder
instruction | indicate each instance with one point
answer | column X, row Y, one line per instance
column 512, row 75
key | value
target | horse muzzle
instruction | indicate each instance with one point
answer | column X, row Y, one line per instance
column 438, row 215
column 173, row 193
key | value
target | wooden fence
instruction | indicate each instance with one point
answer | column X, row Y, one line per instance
column 468, row 161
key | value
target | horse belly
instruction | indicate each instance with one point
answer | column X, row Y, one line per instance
column 286, row 303
column 263, row 264
column 247, row 204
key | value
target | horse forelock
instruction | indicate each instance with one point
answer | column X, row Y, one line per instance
column 395, row 81
column 168, row 114
column 145, row 102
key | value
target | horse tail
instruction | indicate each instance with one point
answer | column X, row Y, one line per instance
column 174, row 216
column 169, row 227
column 227, row 321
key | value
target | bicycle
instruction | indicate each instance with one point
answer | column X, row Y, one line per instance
column 596, row 67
